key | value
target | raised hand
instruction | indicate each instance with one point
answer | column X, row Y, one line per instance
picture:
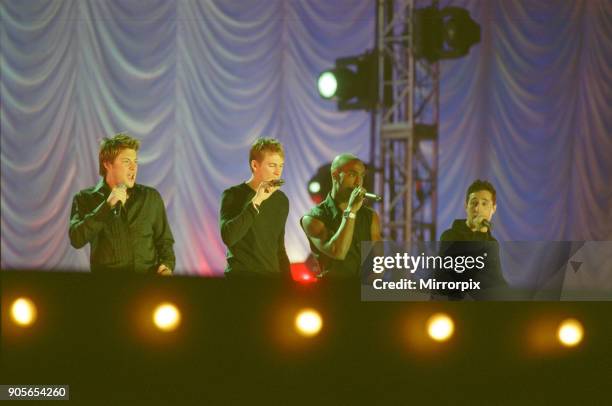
column 118, row 194
column 264, row 191
column 356, row 199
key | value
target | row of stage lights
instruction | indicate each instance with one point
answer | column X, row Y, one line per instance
column 166, row 317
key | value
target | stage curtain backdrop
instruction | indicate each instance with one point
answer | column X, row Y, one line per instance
column 198, row 81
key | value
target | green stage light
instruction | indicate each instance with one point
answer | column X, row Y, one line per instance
column 327, row 84
column 314, row 187
column 352, row 82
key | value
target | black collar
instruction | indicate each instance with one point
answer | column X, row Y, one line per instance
column 102, row 187
column 461, row 226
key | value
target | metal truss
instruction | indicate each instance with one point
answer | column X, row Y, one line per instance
column 405, row 127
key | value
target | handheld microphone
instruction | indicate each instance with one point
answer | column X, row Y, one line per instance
column 373, row 196
column 486, row 223
column 276, row 182
column 119, row 206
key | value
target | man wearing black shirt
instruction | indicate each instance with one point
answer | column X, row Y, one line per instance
column 472, row 237
column 336, row 227
column 124, row 222
column 253, row 216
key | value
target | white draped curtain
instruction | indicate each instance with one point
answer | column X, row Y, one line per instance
column 198, row 81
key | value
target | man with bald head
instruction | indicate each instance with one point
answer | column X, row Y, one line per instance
column 336, row 227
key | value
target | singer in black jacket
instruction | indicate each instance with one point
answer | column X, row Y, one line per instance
column 253, row 216
column 471, row 237
column 125, row 223
column 337, row 226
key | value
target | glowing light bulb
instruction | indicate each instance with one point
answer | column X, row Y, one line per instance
column 308, row 322
column 570, row 332
column 166, row 317
column 440, row 327
column 23, row 312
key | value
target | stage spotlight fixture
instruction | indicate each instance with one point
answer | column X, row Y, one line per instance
column 166, row 317
column 23, row 312
column 308, row 322
column 446, row 33
column 440, row 327
column 352, row 83
column 570, row 332
column 320, row 184
column 327, row 84
column 306, row 272
column 314, row 187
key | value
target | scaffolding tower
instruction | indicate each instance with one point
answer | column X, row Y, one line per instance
column 405, row 126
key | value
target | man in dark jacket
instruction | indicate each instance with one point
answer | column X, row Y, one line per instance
column 471, row 237
column 124, row 222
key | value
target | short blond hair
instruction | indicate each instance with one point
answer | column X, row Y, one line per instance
column 263, row 145
column 111, row 147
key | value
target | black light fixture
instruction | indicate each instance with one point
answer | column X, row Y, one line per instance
column 446, row 33
column 352, row 83
column 320, row 184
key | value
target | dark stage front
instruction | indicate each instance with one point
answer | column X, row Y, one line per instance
column 236, row 343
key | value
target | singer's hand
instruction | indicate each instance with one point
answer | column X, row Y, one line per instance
column 118, row 194
column 356, row 199
column 264, row 191
column 164, row 270
column 481, row 223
